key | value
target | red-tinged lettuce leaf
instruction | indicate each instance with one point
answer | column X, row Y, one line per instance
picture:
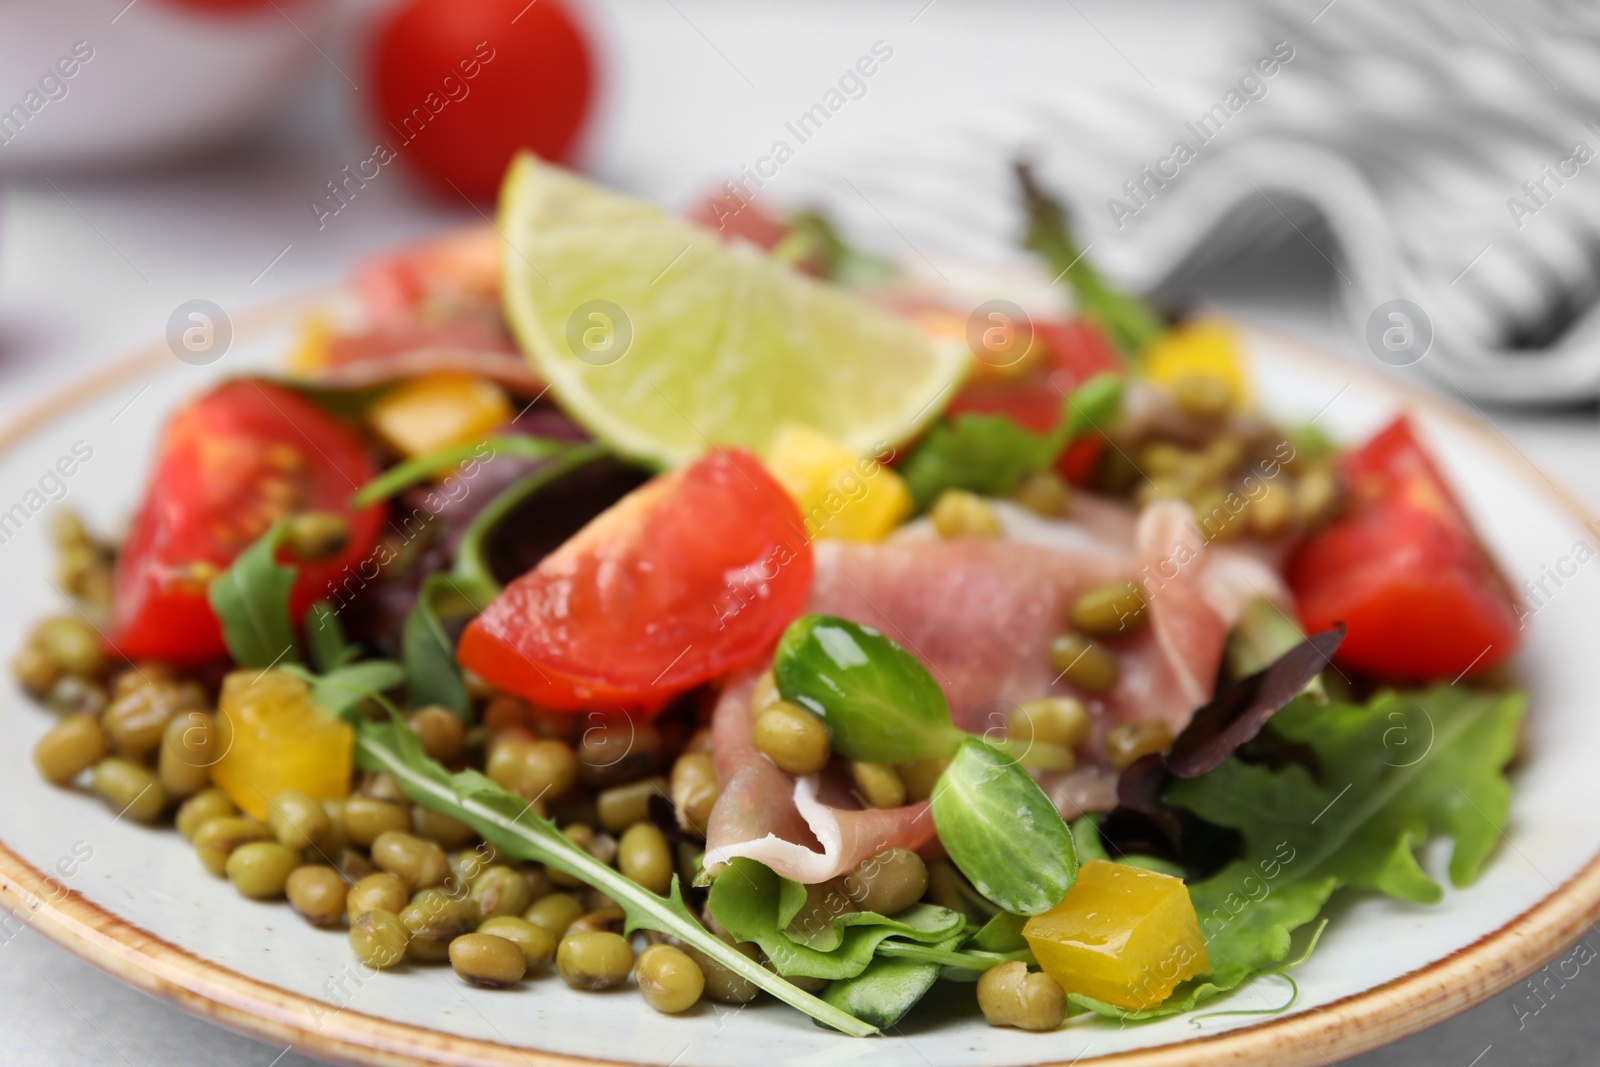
column 1142, row 821
column 1237, row 714
column 1390, row 775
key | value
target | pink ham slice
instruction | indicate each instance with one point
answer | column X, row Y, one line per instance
column 981, row 614
column 765, row 815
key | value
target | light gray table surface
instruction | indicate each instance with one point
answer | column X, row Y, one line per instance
column 91, row 265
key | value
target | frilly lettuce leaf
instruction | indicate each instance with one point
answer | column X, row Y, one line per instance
column 1389, row 775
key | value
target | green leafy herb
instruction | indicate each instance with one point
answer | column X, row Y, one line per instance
column 251, row 599
column 1002, row 831
column 879, row 701
column 413, row 471
column 1125, row 318
column 966, row 965
column 339, row 692
column 1390, row 774
column 518, row 832
column 432, row 674
column 472, row 568
column 745, row 900
column 325, row 638
column 992, row 454
column 888, row 988
column 813, row 240
column 1003, row 933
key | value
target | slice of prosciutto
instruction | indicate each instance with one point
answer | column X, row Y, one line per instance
column 981, row 614
column 807, row 830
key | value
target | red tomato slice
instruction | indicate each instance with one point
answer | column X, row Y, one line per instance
column 689, row 576
column 1078, row 350
column 232, row 463
column 1405, row 571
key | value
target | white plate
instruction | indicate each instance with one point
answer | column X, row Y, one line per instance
column 134, row 900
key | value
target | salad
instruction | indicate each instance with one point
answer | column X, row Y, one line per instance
column 730, row 614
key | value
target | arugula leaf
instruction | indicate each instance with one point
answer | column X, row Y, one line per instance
column 1126, row 319
column 888, row 988
column 991, row 454
column 745, row 900
column 251, row 600
column 1002, row 832
column 1390, row 774
column 325, row 638
column 340, row 692
column 432, row 674
column 516, row 830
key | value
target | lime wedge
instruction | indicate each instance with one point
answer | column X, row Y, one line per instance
column 663, row 341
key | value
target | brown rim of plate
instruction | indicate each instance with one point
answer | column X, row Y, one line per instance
column 1346, row 1027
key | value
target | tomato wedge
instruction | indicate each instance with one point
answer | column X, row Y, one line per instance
column 687, row 577
column 231, row 463
column 1077, row 351
column 1405, row 571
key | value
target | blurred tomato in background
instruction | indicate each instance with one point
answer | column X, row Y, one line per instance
column 465, row 84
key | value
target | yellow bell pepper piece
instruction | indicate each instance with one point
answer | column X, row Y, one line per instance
column 437, row 411
column 839, row 494
column 311, row 344
column 1203, row 348
column 1123, row 935
column 273, row 738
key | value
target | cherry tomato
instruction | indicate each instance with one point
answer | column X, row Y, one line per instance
column 462, row 85
column 231, row 463
column 694, row 573
column 1404, row 570
column 1076, row 351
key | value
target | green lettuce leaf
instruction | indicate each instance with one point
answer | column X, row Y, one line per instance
column 888, row 987
column 746, row 899
column 1390, row 775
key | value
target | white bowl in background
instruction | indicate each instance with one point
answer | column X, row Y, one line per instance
column 148, row 79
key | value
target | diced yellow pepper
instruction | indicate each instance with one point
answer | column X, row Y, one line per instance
column 839, row 494
column 274, row 738
column 437, row 411
column 1203, row 347
column 311, row 344
column 1123, row 935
